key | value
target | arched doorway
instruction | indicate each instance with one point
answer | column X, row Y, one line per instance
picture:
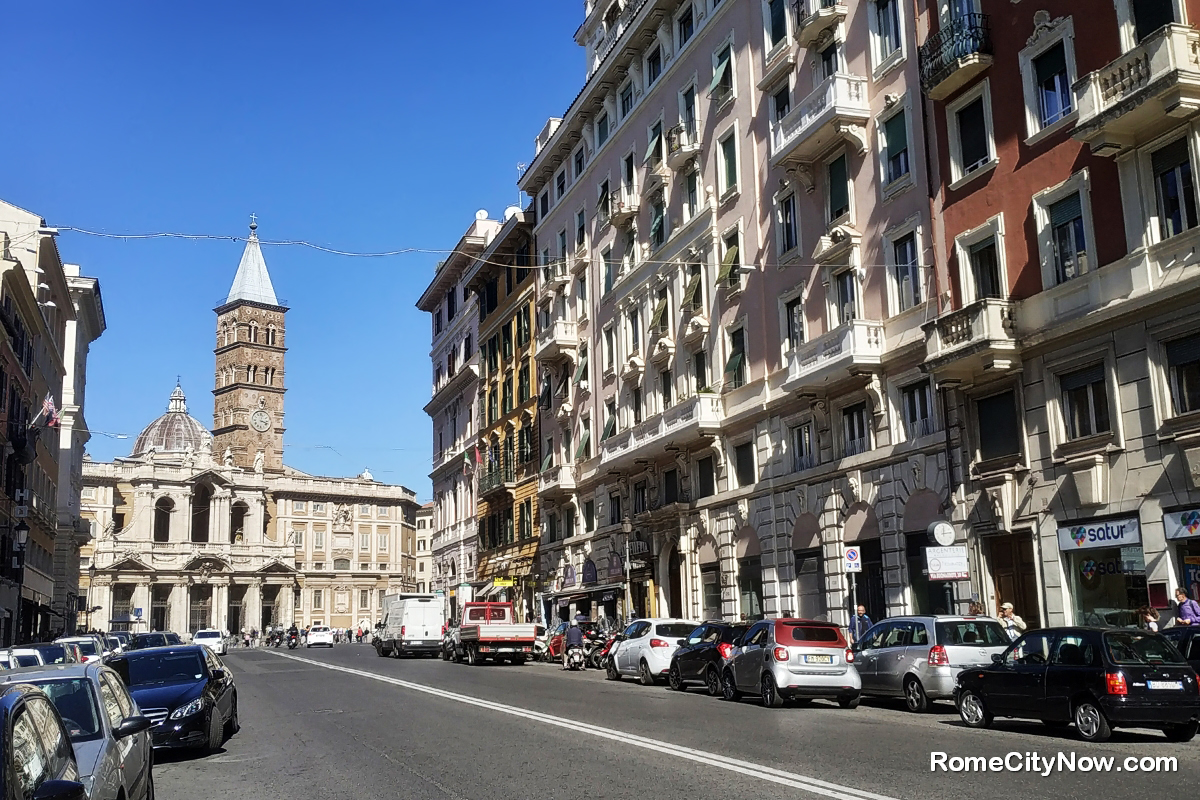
column 710, row 577
column 809, row 564
column 750, row 582
column 675, row 584
column 922, row 509
column 861, row 529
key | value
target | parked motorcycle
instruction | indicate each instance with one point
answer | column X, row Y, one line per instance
column 575, row 658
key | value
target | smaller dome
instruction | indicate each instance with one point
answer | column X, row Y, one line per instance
column 173, row 432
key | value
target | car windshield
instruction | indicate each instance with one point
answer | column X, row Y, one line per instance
column 26, row 661
column 1137, row 647
column 980, row 632
column 149, row 640
column 113, row 642
column 320, row 630
column 87, row 647
column 733, row 632
column 162, row 668
column 207, row 635
column 54, row 654
column 675, row 629
column 76, row 703
column 791, row 633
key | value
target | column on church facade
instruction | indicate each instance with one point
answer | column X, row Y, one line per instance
column 102, row 597
column 219, row 518
column 220, row 606
column 178, row 608
column 252, row 605
column 141, row 600
column 184, row 532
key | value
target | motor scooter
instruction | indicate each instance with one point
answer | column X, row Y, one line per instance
column 293, row 641
column 575, row 658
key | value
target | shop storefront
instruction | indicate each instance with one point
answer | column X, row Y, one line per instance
column 1106, row 570
column 1182, row 529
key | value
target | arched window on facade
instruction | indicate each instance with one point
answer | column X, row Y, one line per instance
column 271, row 335
column 201, row 501
column 254, row 332
column 162, row 519
column 237, row 521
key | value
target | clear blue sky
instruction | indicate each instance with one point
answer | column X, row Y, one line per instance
column 363, row 127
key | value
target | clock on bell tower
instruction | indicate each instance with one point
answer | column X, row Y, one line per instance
column 249, row 380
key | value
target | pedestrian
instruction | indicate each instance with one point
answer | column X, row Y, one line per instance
column 1148, row 618
column 1013, row 625
column 860, row 623
column 1188, row 612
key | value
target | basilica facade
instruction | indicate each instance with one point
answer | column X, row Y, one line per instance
column 210, row 529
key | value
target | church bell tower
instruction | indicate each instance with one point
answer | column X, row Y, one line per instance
column 249, row 379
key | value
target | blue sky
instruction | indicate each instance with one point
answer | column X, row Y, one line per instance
column 362, row 127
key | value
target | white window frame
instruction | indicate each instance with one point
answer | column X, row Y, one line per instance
column 634, row 95
column 727, row 192
column 958, row 178
column 611, row 357
column 832, row 309
column 1078, row 183
column 791, row 424
column 719, row 254
column 732, row 444
column 892, row 188
column 733, row 84
column 868, row 424
column 788, row 84
column 581, row 150
column 655, row 44
column 1151, row 231
column 1063, row 31
column 962, row 245
column 1160, row 371
column 896, row 386
column 795, row 293
column 781, row 196
column 1072, row 362
column 565, row 174
column 596, row 129
column 880, row 64
column 847, row 218
column 697, row 19
column 1127, row 27
column 913, row 226
column 771, row 50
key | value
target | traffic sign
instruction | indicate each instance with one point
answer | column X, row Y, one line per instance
column 853, row 560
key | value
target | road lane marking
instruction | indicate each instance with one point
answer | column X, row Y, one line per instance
column 749, row 768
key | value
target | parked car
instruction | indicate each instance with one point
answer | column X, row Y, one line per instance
column 123, row 636
column 172, row 638
column 1096, row 678
column 90, row 647
column 319, row 635
column 140, row 641
column 411, row 625
column 1186, row 639
column 555, row 638
column 702, row 655
column 645, row 648
column 108, row 733
column 449, row 640
column 114, row 645
column 211, row 638
column 784, row 659
column 17, row 657
column 919, row 658
column 38, row 759
column 186, row 691
column 49, row 653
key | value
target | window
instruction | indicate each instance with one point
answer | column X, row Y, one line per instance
column 730, row 275
column 916, row 406
column 1085, row 402
column 581, row 372
column 639, row 497
column 318, row 599
column 364, row 542
column 692, row 193
column 654, row 149
column 969, row 120
column 628, row 174
column 700, row 370
column 906, row 271
column 782, row 102
column 1183, row 366
column 568, row 522
column 523, row 386
column 658, row 220
column 580, row 160
column 1150, row 15
column 887, row 29
column 705, row 477
column 610, row 423
column 729, row 168
column 670, row 486
column 693, row 294
column 1172, row 168
column 804, row 455
column 1067, row 238
column 665, row 388
column 589, row 516
column 788, row 233
column 777, row 29
column 829, row 61
column 635, row 334
column 508, row 394
column 636, row 401
column 381, row 542
column 560, row 185
column 1052, row 85
column 721, row 88
column 838, row 176
column 580, row 228
column 604, row 203
column 985, row 268
column 686, row 26
column 735, row 367
column 846, row 296
column 506, row 341
column 743, row 464
column 626, row 100
column 552, row 526
column 609, row 267
column 601, row 130
column 895, row 145
column 319, row 540
column 999, row 431
column 609, row 349
column 654, row 66
column 793, row 312
column 855, row 438
column 614, row 508
column 299, row 506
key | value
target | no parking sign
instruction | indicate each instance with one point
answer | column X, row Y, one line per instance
column 853, row 560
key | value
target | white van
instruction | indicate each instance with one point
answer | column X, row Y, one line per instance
column 410, row 625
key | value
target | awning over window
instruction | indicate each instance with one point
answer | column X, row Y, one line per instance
column 581, row 370
column 659, row 320
column 610, row 428
column 727, row 264
column 548, row 461
column 654, row 149
column 719, row 74
column 734, row 364
column 692, row 292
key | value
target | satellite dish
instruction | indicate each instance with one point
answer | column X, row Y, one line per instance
column 481, row 214
column 511, row 212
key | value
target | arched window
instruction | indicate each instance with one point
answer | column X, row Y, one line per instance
column 271, row 334
column 237, row 521
column 254, row 332
column 162, row 519
column 251, row 374
column 201, row 501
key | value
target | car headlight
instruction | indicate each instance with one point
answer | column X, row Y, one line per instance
column 194, row 707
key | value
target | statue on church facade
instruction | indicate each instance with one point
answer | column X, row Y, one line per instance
column 260, row 461
column 228, row 457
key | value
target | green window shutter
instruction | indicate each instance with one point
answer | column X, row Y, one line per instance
column 690, row 294
column 735, row 361
column 548, row 461
column 581, row 371
column 895, row 134
column 659, row 320
column 727, row 266
column 1066, row 210
column 583, row 445
column 657, row 223
column 610, row 428
column 654, row 148
column 719, row 75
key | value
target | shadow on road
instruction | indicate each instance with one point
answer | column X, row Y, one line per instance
column 1062, row 733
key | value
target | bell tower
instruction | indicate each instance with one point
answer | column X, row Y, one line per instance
column 249, row 379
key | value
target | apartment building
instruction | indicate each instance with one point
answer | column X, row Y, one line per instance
column 733, row 224
column 454, row 353
column 424, row 552
column 508, row 442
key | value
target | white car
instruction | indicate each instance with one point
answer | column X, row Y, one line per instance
column 90, row 647
column 212, row 638
column 646, row 647
column 320, row 634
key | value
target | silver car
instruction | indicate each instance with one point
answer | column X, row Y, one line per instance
column 109, row 735
column 782, row 659
column 919, row 658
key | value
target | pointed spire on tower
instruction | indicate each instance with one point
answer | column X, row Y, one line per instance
column 252, row 281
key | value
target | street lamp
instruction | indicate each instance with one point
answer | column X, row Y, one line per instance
column 91, row 582
column 20, row 538
column 627, row 529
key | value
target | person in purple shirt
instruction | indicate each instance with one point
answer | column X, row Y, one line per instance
column 1188, row 612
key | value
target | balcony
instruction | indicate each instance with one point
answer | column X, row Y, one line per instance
column 555, row 276
column 680, row 425
column 558, row 339
column 814, row 17
column 1141, row 94
column 683, row 144
column 502, row 478
column 952, row 57
column 556, row 481
column 625, row 205
column 834, row 355
column 836, row 108
column 971, row 340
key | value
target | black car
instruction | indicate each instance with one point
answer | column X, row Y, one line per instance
column 39, row 762
column 140, row 641
column 1186, row 639
column 702, row 655
column 1097, row 678
column 172, row 638
column 185, row 690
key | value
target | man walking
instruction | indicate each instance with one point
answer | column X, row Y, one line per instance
column 1188, row 612
column 860, row 623
column 1013, row 625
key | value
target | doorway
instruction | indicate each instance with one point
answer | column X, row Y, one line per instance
column 1014, row 575
column 675, row 584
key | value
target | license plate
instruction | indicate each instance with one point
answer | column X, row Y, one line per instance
column 1177, row 685
column 818, row 659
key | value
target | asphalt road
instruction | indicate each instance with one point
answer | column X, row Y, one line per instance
column 344, row 723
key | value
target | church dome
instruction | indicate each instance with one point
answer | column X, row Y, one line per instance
column 173, row 432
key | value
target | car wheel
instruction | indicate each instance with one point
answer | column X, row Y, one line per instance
column 645, row 677
column 849, row 702
column 712, row 682
column 729, row 689
column 234, row 724
column 215, row 732
column 445, row 654
column 915, row 697
column 1181, row 733
column 1090, row 722
column 610, row 671
column 472, row 656
column 675, row 679
column 769, row 692
column 972, row 711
